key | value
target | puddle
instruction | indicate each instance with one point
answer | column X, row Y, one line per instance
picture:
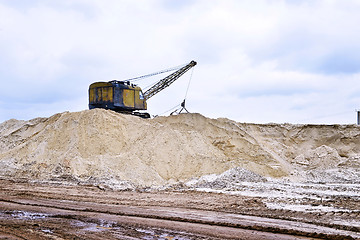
column 164, row 234
column 23, row 215
column 96, row 227
column 141, row 233
column 47, row 231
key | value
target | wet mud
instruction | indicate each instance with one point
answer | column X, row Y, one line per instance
column 53, row 211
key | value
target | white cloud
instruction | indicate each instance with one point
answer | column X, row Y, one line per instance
column 269, row 61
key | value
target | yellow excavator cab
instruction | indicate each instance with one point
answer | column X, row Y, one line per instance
column 120, row 96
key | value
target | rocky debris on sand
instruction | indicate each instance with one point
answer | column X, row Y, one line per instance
column 226, row 179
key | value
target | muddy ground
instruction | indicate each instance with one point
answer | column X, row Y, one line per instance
column 58, row 211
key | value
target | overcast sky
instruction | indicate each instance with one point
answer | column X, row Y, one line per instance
column 292, row 61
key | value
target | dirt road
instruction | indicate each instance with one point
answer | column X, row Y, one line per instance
column 53, row 211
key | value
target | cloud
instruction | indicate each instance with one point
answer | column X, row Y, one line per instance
column 289, row 59
column 311, row 36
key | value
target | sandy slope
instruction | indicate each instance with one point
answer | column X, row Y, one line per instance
column 127, row 151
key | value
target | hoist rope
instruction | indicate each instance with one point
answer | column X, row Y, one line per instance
column 170, row 109
column 150, row 85
column 135, row 79
column 187, row 89
column 179, row 105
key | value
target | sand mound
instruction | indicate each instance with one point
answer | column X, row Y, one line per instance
column 226, row 179
column 104, row 146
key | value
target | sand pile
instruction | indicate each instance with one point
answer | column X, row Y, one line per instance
column 100, row 146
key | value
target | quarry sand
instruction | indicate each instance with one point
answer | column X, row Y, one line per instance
column 127, row 151
column 308, row 174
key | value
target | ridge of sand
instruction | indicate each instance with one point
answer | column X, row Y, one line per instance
column 98, row 144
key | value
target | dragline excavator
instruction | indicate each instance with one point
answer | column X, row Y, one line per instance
column 126, row 97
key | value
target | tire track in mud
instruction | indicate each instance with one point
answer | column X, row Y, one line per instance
column 198, row 221
column 180, row 211
column 180, row 225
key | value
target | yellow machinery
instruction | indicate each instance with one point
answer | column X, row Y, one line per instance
column 126, row 97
